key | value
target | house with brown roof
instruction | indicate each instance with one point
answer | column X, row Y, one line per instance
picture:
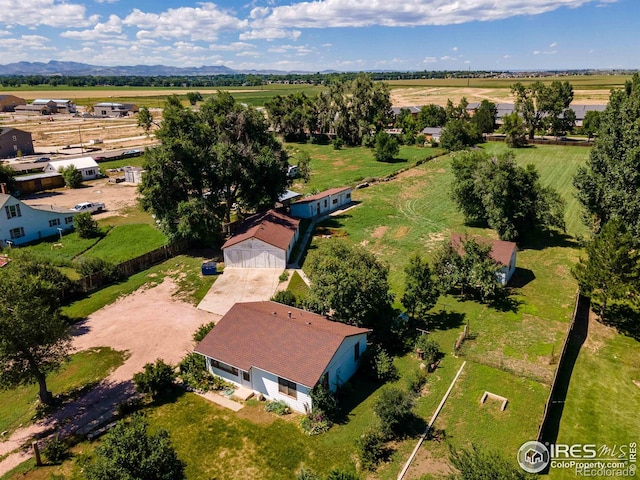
column 503, row 253
column 321, row 203
column 264, row 240
column 9, row 102
column 282, row 352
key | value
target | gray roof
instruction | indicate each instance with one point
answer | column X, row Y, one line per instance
column 35, row 176
column 432, row 130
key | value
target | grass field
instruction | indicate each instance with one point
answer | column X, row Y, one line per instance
column 125, row 242
column 17, row 406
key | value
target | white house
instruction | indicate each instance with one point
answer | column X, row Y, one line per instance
column 321, row 203
column 264, row 240
column 86, row 165
column 504, row 253
column 282, row 352
column 21, row 223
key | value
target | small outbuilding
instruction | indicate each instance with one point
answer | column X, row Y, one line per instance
column 321, row 203
column 86, row 165
column 503, row 253
column 264, row 240
column 282, row 352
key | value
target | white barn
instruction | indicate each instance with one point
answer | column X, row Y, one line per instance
column 264, row 240
column 21, row 223
column 503, row 253
column 321, row 203
column 86, row 165
column 282, row 352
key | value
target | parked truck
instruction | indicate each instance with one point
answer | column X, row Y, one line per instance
column 91, row 207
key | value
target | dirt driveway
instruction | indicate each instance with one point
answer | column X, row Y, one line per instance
column 240, row 285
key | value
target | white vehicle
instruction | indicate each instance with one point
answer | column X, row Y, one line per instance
column 94, row 207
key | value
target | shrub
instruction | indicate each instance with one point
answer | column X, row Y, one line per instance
column 72, row 176
column 92, row 265
column 430, row 348
column 278, row 407
column 56, row 449
column 338, row 143
column 283, row 276
column 305, row 474
column 315, row 422
column 286, row 297
column 415, row 380
column 324, row 400
column 155, row 378
column 193, row 371
column 85, row 225
column 128, row 406
column 370, row 448
column 202, row 331
column 393, row 408
column 378, row 364
column 341, row 475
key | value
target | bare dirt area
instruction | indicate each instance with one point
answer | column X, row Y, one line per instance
column 117, row 197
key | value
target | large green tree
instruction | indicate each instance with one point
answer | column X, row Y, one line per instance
column 34, row 338
column 514, row 129
column 459, row 134
column 431, row 116
column 292, row 116
column 351, row 283
column 611, row 270
column 420, row 289
column 209, row 162
column 386, row 147
column 541, row 106
column 609, row 185
column 485, row 116
column 7, row 175
column 130, row 452
column 505, row 196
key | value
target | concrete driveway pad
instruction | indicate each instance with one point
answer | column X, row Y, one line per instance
column 240, row 285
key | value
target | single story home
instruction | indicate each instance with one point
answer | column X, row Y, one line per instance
column 503, row 253
column 21, row 223
column 321, row 203
column 38, row 182
column 109, row 109
column 432, row 133
column 264, row 240
column 413, row 110
column 34, row 110
column 86, row 165
column 9, row 102
column 282, row 352
column 14, row 142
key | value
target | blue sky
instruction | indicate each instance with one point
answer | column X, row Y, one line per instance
column 347, row 35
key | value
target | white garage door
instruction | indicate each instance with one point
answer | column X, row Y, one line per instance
column 248, row 258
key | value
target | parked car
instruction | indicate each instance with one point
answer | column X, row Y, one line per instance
column 42, row 160
column 292, row 171
column 91, row 207
column 99, row 158
column 131, row 153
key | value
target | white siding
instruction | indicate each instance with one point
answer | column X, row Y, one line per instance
column 267, row 384
column 254, row 253
column 322, row 206
column 505, row 273
column 343, row 364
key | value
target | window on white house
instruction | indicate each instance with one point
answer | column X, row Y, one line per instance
column 16, row 232
column 245, row 376
column 68, row 220
column 54, row 221
column 287, row 387
column 224, row 367
column 91, row 172
column 12, row 211
column 325, row 202
column 335, row 200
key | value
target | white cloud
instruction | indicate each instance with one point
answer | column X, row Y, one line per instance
column 28, row 42
column 231, row 47
column 295, row 49
column 430, row 60
column 506, row 55
column 259, row 12
column 455, row 49
column 537, row 52
column 446, row 57
column 204, row 22
column 396, row 13
column 52, row 13
column 248, row 54
column 111, row 29
column 553, row 45
column 270, row 34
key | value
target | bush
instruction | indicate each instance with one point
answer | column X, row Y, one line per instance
column 323, row 399
column 415, row 380
column 283, row 276
column 393, row 408
column 278, row 407
column 56, row 449
column 155, row 378
column 86, row 226
column 430, row 348
column 92, row 265
column 378, row 364
column 72, row 176
column 193, row 371
column 128, row 406
column 202, row 331
column 286, row 297
column 315, row 422
column 338, row 143
column 370, row 448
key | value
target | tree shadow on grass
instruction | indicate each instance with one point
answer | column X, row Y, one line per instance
column 361, row 388
column 506, row 303
column 445, row 320
column 394, row 160
column 547, row 239
column 521, row 277
column 624, row 318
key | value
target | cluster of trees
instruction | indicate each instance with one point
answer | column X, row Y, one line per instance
column 497, row 192
column 210, row 162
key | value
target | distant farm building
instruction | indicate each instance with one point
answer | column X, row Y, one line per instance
column 321, row 203
column 107, row 109
column 56, row 105
column 86, row 165
column 8, row 103
column 34, row 110
column 432, row 133
column 14, row 142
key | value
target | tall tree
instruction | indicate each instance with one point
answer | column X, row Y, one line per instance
column 420, row 290
column 541, row 105
column 457, row 112
column 514, row 130
column 7, row 175
column 459, row 134
column 485, row 116
column 34, row 338
column 145, row 119
column 611, row 270
column 591, row 123
column 386, row 147
column 609, row 186
column 431, row 116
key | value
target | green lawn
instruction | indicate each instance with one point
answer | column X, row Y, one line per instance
column 124, row 242
column 17, row 406
column 61, row 251
column 297, row 286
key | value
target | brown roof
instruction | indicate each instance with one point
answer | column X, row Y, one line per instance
column 326, row 193
column 261, row 334
column 271, row 227
column 501, row 251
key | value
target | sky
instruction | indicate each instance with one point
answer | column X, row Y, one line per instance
column 319, row 35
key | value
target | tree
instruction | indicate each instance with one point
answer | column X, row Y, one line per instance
column 420, row 291
column 476, row 464
column 386, row 147
column 194, row 97
column 406, row 121
column 485, row 116
column 431, row 116
column 34, row 338
column 611, row 270
column 541, row 105
column 514, row 129
column 457, row 112
column 7, row 175
column 304, row 166
column 459, row 134
column 350, row 283
column 505, row 196
column 145, row 119
column 292, row 116
column 85, row 225
column 130, row 452
column 209, row 162
column 394, row 409
column 609, row 186
column 72, row 176
column 155, row 378
column 591, row 123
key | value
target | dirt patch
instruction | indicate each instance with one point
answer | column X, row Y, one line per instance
column 425, row 463
column 598, row 334
column 379, row 231
column 402, row 232
column 410, row 173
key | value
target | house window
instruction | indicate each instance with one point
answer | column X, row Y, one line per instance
column 68, row 220
column 16, row 232
column 224, row 367
column 53, row 222
column 325, row 202
column 245, row 376
column 356, row 352
column 348, row 195
column 12, row 211
column 287, row 387
column 335, row 200
column 91, row 172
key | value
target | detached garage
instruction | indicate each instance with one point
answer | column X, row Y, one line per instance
column 264, row 240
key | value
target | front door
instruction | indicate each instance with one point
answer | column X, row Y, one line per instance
column 246, row 379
